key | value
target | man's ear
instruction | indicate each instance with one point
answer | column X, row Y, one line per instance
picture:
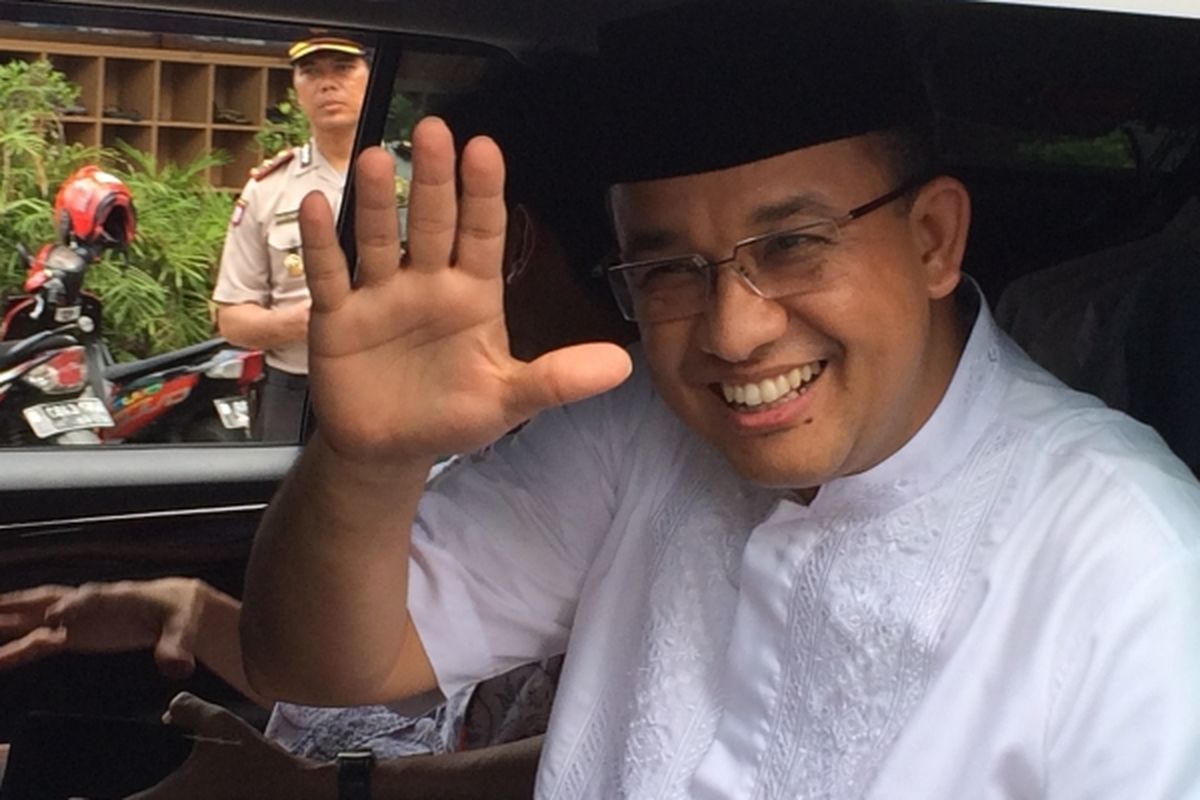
column 939, row 220
column 519, row 244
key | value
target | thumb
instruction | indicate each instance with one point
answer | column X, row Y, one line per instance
column 202, row 718
column 570, row 374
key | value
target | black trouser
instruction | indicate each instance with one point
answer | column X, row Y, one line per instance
column 280, row 406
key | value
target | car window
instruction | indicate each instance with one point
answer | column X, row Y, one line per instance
column 151, row 267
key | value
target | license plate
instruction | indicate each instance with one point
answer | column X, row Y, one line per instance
column 67, row 313
column 50, row 419
column 233, row 411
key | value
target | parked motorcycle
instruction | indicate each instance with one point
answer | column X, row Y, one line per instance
column 202, row 393
column 44, row 391
column 51, row 383
column 198, row 393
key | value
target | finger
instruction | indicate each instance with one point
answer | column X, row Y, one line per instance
column 568, row 375
column 482, row 216
column 432, row 198
column 204, row 719
column 174, row 652
column 70, row 606
column 36, row 598
column 376, row 226
column 32, row 647
column 13, row 625
column 324, row 262
column 19, row 624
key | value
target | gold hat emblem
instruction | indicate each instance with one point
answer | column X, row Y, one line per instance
column 294, row 264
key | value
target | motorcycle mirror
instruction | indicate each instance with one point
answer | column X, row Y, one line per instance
column 26, row 256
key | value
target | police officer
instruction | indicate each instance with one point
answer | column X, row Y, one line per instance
column 262, row 299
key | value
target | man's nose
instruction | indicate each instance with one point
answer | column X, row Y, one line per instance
column 739, row 321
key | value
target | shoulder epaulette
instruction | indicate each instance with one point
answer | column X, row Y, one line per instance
column 271, row 164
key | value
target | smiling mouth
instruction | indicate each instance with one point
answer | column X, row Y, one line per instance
column 769, row 392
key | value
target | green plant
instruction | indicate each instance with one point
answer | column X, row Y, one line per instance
column 31, row 92
column 34, row 159
column 157, row 299
column 287, row 128
column 403, row 112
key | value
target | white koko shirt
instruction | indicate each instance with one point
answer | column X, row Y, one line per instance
column 1008, row 607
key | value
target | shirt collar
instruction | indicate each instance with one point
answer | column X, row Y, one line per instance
column 943, row 442
column 311, row 158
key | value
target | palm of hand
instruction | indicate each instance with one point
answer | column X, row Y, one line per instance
column 441, row 356
column 412, row 361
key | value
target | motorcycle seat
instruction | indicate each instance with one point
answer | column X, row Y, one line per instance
column 13, row 352
column 131, row 369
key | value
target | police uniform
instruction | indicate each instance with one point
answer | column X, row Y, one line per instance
column 263, row 263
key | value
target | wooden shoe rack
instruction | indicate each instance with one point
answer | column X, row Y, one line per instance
column 177, row 103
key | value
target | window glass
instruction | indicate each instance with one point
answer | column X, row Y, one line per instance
column 151, row 268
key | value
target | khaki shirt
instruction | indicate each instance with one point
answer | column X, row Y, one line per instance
column 263, row 262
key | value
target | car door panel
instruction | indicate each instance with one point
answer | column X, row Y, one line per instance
column 115, row 514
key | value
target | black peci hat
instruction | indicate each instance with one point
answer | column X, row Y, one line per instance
column 712, row 84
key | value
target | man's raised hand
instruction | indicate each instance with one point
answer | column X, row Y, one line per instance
column 411, row 360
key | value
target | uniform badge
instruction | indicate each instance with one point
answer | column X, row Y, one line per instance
column 239, row 211
column 293, row 262
column 271, row 164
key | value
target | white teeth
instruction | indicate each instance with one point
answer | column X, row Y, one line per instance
column 753, row 395
column 769, row 390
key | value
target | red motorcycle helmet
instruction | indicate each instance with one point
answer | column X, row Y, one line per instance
column 94, row 208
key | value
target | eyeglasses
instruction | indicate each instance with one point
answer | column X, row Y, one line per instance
column 771, row 265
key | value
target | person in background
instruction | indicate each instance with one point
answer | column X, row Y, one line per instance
column 261, row 295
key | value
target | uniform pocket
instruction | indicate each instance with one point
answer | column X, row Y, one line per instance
column 287, row 257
